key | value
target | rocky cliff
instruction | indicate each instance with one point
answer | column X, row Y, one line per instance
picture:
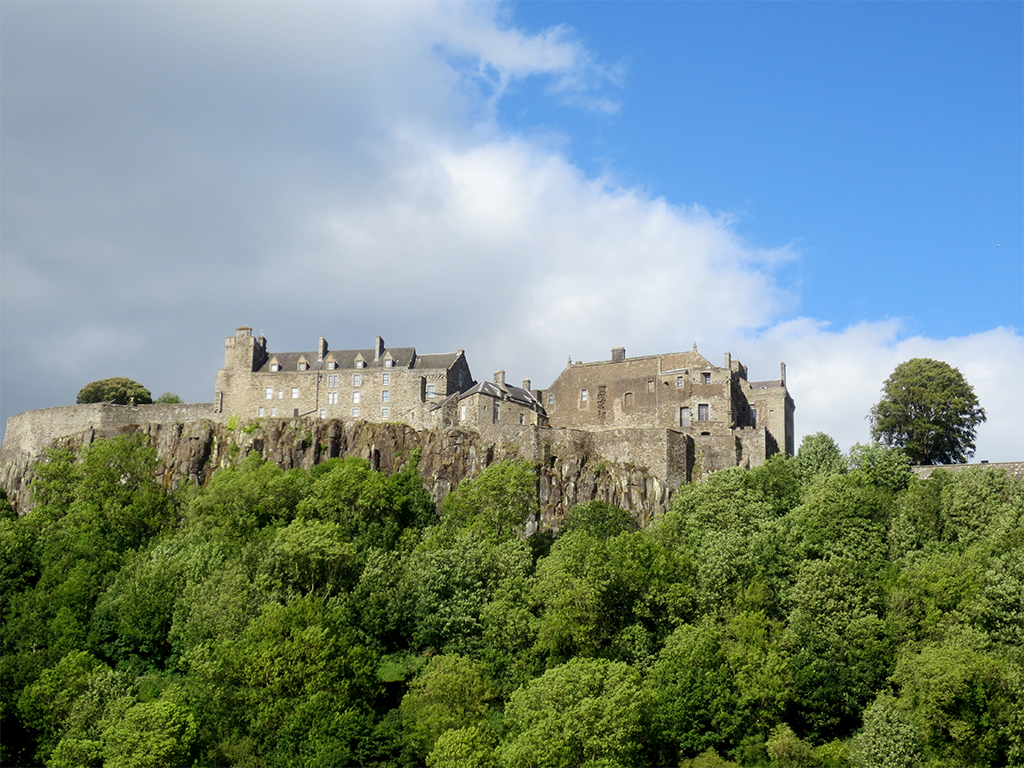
column 570, row 469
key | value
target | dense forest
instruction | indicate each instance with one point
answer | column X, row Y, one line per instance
column 825, row 610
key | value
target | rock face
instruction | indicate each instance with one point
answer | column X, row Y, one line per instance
column 570, row 469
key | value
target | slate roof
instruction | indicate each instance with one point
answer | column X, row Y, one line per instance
column 766, row 384
column 345, row 359
column 516, row 394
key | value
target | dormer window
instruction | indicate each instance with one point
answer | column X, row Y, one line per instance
column 275, row 367
column 388, row 363
column 303, row 365
column 330, row 365
column 360, row 363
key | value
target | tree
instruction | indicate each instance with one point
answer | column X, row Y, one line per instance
column 117, row 390
column 168, row 398
column 930, row 411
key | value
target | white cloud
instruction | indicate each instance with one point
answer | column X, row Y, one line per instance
column 337, row 169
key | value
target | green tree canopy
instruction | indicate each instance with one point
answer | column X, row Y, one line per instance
column 168, row 398
column 929, row 410
column 117, row 390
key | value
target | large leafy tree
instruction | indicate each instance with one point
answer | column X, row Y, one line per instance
column 119, row 390
column 929, row 410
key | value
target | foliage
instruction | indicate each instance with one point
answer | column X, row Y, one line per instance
column 929, row 410
column 118, row 390
column 793, row 614
column 168, row 398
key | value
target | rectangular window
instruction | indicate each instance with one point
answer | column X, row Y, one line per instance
column 275, row 367
column 703, row 412
column 355, row 397
column 684, row 416
column 260, row 412
column 706, row 377
column 330, row 365
column 332, row 398
column 357, row 379
column 273, row 410
column 295, row 392
column 280, row 394
column 360, row 363
column 332, row 380
column 584, row 395
column 522, row 418
column 269, row 392
column 462, row 414
column 355, row 413
column 430, row 390
column 303, row 366
column 551, row 399
column 680, row 381
column 753, row 417
column 384, row 396
column 385, row 412
column 388, row 363
column 323, row 412
column 385, row 379
column 650, row 385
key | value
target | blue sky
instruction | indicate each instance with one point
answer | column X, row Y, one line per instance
column 833, row 185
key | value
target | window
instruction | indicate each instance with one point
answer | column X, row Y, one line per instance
column 753, row 417
column 680, row 381
column 584, row 395
column 295, row 392
column 356, row 396
column 522, row 418
column 684, row 416
column 280, row 394
column 332, row 398
column 627, row 399
column 430, row 390
column 462, row 414
column 551, row 399
column 330, row 365
column 323, row 412
column 385, row 379
column 269, row 392
column 260, row 412
column 703, row 412
column 275, row 367
column 385, row 396
column 385, row 412
column 388, row 363
column 303, row 366
column 355, row 413
column 360, row 363
column 650, row 385
column 357, row 379
column 706, row 378
column 332, row 380
column 273, row 410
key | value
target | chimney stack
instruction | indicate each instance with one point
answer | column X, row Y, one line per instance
column 728, row 361
column 321, row 349
column 782, row 373
column 526, row 384
column 618, row 354
column 499, row 378
column 378, row 348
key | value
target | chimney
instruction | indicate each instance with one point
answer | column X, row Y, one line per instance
column 499, row 378
column 618, row 354
column 378, row 348
column 242, row 331
column 782, row 373
column 526, row 384
column 321, row 349
column 728, row 361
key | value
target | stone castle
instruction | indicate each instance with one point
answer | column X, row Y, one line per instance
column 672, row 418
column 732, row 421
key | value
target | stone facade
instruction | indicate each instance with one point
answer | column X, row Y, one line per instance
column 739, row 422
column 497, row 403
column 377, row 384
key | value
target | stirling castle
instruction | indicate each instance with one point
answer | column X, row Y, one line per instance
column 675, row 416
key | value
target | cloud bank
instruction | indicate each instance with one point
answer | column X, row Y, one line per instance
column 174, row 170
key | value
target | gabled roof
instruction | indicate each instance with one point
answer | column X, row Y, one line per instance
column 515, row 394
column 766, row 384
